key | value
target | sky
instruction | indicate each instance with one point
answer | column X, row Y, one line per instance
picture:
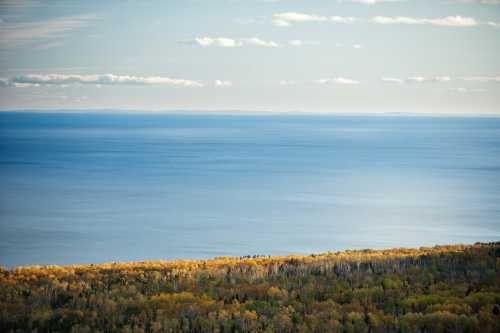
column 338, row 56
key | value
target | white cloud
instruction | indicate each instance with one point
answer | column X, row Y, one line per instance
column 454, row 21
column 31, row 80
column 421, row 79
column 281, row 23
column 299, row 42
column 286, row 19
column 338, row 80
column 394, row 20
column 392, row 80
column 371, row 2
column 460, row 90
column 482, row 79
column 341, row 80
column 357, row 46
column 257, row 42
column 342, row 19
column 221, row 42
column 449, row 21
column 486, row 2
column 463, row 90
column 230, row 43
column 441, row 79
column 298, row 17
column 416, row 79
column 220, row 83
column 295, row 43
column 16, row 34
column 493, row 24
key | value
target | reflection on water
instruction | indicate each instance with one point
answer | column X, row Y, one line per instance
column 101, row 187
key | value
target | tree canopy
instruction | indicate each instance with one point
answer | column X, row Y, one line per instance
column 439, row 289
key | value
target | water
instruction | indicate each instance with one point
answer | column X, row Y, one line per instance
column 90, row 188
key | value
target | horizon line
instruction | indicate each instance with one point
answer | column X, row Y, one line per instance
column 242, row 112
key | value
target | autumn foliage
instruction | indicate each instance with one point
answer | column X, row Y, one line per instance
column 439, row 289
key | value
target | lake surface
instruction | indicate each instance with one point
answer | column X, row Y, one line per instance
column 90, row 188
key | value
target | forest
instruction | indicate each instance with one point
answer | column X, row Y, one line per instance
column 434, row 289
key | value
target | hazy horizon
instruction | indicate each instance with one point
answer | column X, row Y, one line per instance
column 236, row 113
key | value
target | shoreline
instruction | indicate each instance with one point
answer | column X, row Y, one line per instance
column 356, row 254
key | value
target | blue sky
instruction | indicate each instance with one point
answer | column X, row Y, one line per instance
column 436, row 56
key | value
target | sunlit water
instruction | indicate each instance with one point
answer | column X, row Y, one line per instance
column 88, row 188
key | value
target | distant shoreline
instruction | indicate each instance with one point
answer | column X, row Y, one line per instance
column 349, row 255
column 213, row 112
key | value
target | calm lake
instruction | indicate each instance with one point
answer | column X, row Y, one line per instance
column 91, row 188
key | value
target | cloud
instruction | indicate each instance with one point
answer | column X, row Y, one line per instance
column 30, row 80
column 416, row 79
column 300, row 43
column 463, row 90
column 342, row 19
column 286, row 19
column 220, row 83
column 16, row 34
column 392, row 80
column 338, row 80
column 257, row 42
column 221, row 42
column 486, row 2
column 460, row 90
column 357, row 46
column 295, row 43
column 441, row 79
column 493, row 24
column 230, row 43
column 281, row 23
column 449, row 21
column 482, row 79
column 421, row 79
column 371, row 2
